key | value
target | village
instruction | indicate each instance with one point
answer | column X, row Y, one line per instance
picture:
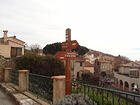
column 74, row 62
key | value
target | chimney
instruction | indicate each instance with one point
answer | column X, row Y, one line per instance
column 5, row 35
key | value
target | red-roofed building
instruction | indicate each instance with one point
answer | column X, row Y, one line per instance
column 88, row 66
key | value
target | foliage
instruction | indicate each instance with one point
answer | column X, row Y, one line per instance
column 55, row 47
column 35, row 48
column 52, row 48
column 103, row 74
column 74, row 99
column 99, row 95
column 81, row 50
column 45, row 65
column 51, row 66
column 89, row 78
column 28, row 61
column 86, row 76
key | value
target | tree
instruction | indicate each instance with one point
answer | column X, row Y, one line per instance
column 86, row 76
column 52, row 48
column 103, row 74
column 81, row 50
column 35, row 48
column 89, row 78
column 55, row 47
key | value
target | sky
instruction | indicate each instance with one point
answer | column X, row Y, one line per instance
column 110, row 26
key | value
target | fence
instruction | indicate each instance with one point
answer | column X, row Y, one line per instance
column 14, row 77
column 41, row 86
column 104, row 96
column 50, row 89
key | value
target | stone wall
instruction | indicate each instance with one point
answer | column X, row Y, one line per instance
column 5, row 63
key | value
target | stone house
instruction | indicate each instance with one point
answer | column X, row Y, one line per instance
column 128, row 77
column 11, row 46
column 125, row 68
column 105, row 66
column 108, row 57
column 88, row 67
column 76, row 66
column 104, row 71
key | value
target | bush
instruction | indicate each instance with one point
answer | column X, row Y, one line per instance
column 45, row 65
column 86, row 76
column 75, row 99
column 89, row 78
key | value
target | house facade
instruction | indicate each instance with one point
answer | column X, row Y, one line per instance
column 11, row 46
column 103, row 65
column 88, row 67
column 128, row 77
column 76, row 67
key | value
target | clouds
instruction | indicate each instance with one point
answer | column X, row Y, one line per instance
column 104, row 25
column 32, row 20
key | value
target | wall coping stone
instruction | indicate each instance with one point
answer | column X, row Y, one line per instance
column 58, row 77
column 8, row 68
column 23, row 71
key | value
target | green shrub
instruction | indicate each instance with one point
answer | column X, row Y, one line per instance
column 89, row 78
column 86, row 76
column 74, row 99
column 45, row 65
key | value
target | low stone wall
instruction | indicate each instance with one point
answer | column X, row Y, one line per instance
column 5, row 63
column 1, row 74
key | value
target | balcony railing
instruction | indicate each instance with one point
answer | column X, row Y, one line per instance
column 104, row 96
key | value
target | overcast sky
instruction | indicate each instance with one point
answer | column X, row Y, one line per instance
column 110, row 26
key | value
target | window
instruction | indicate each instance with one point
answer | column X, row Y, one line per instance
column 16, row 51
column 19, row 51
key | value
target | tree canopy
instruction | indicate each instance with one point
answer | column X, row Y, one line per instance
column 55, row 47
column 52, row 48
column 35, row 48
column 81, row 50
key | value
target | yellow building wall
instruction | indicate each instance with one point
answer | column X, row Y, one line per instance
column 12, row 44
column 5, row 50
